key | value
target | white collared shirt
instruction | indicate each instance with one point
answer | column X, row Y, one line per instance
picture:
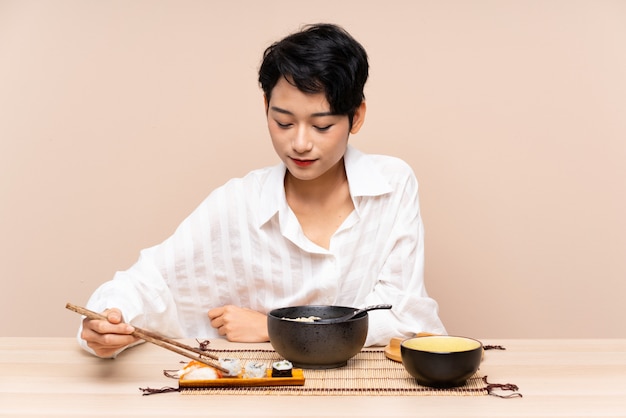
column 244, row 246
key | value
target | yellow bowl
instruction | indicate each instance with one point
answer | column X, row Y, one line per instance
column 441, row 360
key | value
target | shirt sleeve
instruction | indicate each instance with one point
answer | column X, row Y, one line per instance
column 141, row 294
column 173, row 284
column 401, row 279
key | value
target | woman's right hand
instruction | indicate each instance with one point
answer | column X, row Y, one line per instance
column 106, row 338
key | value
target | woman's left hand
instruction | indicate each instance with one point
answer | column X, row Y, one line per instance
column 239, row 324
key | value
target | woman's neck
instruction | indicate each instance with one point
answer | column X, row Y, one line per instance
column 321, row 205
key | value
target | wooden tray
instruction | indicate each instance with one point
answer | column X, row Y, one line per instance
column 297, row 379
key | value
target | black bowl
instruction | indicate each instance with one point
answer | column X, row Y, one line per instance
column 441, row 360
column 311, row 345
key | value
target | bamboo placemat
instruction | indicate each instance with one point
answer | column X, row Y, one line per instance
column 367, row 373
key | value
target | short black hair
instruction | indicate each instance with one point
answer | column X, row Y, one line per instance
column 320, row 58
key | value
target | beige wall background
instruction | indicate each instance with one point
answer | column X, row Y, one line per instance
column 118, row 117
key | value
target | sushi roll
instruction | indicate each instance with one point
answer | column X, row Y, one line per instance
column 282, row 368
column 232, row 365
column 255, row 370
column 198, row 371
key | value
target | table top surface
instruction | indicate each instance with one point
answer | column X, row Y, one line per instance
column 54, row 377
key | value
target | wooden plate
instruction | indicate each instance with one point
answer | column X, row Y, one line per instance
column 392, row 350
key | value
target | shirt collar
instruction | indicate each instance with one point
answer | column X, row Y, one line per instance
column 272, row 193
column 364, row 179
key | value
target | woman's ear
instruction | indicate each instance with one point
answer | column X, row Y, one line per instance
column 359, row 118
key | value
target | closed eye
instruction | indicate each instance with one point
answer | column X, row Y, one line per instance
column 323, row 128
column 283, row 125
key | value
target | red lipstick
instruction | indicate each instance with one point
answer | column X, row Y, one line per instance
column 302, row 163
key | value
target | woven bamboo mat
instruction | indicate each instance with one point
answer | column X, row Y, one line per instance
column 367, row 373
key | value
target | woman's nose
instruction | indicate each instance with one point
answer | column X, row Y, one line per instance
column 301, row 142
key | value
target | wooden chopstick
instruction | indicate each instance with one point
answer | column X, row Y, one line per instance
column 156, row 339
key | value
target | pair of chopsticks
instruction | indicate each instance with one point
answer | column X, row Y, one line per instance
column 156, row 339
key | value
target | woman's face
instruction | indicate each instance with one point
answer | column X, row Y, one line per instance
column 307, row 137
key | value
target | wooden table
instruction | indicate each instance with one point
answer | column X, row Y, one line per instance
column 53, row 377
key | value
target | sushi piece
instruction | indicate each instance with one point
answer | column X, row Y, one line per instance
column 282, row 368
column 255, row 370
column 232, row 365
column 195, row 370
